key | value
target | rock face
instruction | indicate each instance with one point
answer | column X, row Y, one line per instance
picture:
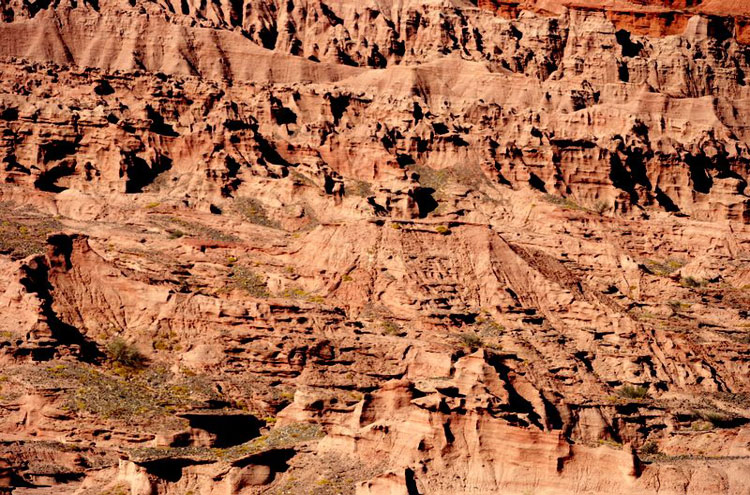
column 374, row 247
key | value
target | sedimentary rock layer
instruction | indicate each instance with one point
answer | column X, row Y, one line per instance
column 374, row 247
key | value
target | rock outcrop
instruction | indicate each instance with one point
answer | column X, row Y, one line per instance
column 374, row 248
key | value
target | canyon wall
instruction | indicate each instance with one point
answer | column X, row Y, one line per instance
column 374, row 247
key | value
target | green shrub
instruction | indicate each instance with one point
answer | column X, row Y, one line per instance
column 442, row 230
column 118, row 489
column 278, row 438
column 665, row 268
column 244, row 278
column 294, row 292
column 125, row 354
column 701, row 425
column 610, row 443
column 145, row 396
column 254, row 212
column 632, row 392
column 195, row 229
column 565, row 203
column 650, row 448
column 390, row 328
column 24, row 239
column 675, row 307
column 716, row 418
column 600, row 207
column 470, row 340
column 692, row 282
column 489, row 328
column 361, row 188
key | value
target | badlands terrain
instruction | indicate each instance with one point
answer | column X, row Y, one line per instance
column 374, row 247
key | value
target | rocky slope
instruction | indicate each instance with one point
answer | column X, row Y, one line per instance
column 374, row 248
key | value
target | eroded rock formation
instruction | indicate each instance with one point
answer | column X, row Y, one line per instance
column 374, row 248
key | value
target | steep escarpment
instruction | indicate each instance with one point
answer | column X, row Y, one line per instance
column 647, row 121
column 374, row 247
